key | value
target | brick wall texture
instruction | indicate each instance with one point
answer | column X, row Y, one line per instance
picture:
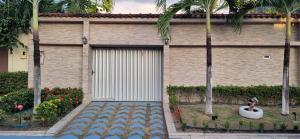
column 238, row 58
column 241, row 66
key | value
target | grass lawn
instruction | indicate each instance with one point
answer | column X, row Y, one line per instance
column 193, row 115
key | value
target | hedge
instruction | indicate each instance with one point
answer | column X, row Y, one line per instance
column 13, row 81
column 267, row 95
column 70, row 96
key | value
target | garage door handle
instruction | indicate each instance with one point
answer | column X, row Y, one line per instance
column 93, row 72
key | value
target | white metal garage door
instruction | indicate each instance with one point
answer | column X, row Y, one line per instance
column 127, row 74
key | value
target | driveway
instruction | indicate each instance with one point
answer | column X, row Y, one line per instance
column 117, row 120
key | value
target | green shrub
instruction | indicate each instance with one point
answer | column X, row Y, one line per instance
column 251, row 125
column 295, row 126
column 70, row 97
column 275, row 125
column 205, row 126
column 13, row 81
column 227, row 126
column 261, row 127
column 283, row 126
column 9, row 101
column 48, row 111
column 226, row 94
column 2, row 115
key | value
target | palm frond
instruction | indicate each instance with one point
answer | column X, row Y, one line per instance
column 161, row 5
column 164, row 20
column 107, row 5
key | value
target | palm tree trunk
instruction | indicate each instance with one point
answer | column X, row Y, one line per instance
column 36, row 55
column 208, row 100
column 286, row 64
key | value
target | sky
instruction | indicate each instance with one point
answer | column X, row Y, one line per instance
column 136, row 6
column 140, row 6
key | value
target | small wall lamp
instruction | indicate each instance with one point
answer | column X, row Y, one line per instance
column 84, row 40
column 167, row 41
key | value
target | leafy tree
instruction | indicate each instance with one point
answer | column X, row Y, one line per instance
column 284, row 7
column 15, row 17
column 207, row 6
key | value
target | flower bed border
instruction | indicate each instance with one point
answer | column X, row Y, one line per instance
column 54, row 129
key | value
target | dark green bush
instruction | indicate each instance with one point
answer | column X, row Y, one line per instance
column 13, row 81
column 9, row 101
column 267, row 95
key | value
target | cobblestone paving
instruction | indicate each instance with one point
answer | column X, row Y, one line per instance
column 117, row 120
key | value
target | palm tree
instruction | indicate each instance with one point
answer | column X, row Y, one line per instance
column 36, row 54
column 77, row 6
column 286, row 8
column 209, row 7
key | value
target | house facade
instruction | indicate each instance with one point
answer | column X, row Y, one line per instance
column 15, row 59
column 120, row 57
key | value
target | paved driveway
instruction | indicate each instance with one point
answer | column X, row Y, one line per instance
column 117, row 120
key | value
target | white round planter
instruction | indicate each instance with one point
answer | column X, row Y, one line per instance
column 257, row 113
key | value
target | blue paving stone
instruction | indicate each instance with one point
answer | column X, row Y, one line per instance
column 116, row 131
column 156, row 137
column 137, row 126
column 82, row 120
column 155, row 132
column 136, row 115
column 74, row 131
column 67, row 137
column 118, row 126
column 137, row 132
column 117, row 113
column 87, row 115
column 155, row 126
column 99, row 125
column 121, row 115
column 139, row 120
column 140, row 111
column 121, row 120
column 135, row 137
column 101, row 120
column 154, row 121
column 155, row 116
column 99, row 130
column 92, row 137
column 76, row 125
column 106, row 115
column 113, row 137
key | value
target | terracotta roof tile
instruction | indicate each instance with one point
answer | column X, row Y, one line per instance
column 101, row 15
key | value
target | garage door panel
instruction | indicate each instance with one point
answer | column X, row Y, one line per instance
column 127, row 74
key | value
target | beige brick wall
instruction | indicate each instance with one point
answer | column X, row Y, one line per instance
column 61, row 66
column 231, row 66
column 185, row 34
column 130, row 34
column 251, row 34
column 58, row 33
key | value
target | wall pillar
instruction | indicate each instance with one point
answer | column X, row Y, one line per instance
column 166, row 81
column 86, row 67
column 298, row 65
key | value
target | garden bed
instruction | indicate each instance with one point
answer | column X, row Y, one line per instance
column 56, row 103
column 193, row 119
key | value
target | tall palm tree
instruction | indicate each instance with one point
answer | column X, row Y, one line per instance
column 209, row 7
column 36, row 53
column 286, row 8
column 76, row 6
